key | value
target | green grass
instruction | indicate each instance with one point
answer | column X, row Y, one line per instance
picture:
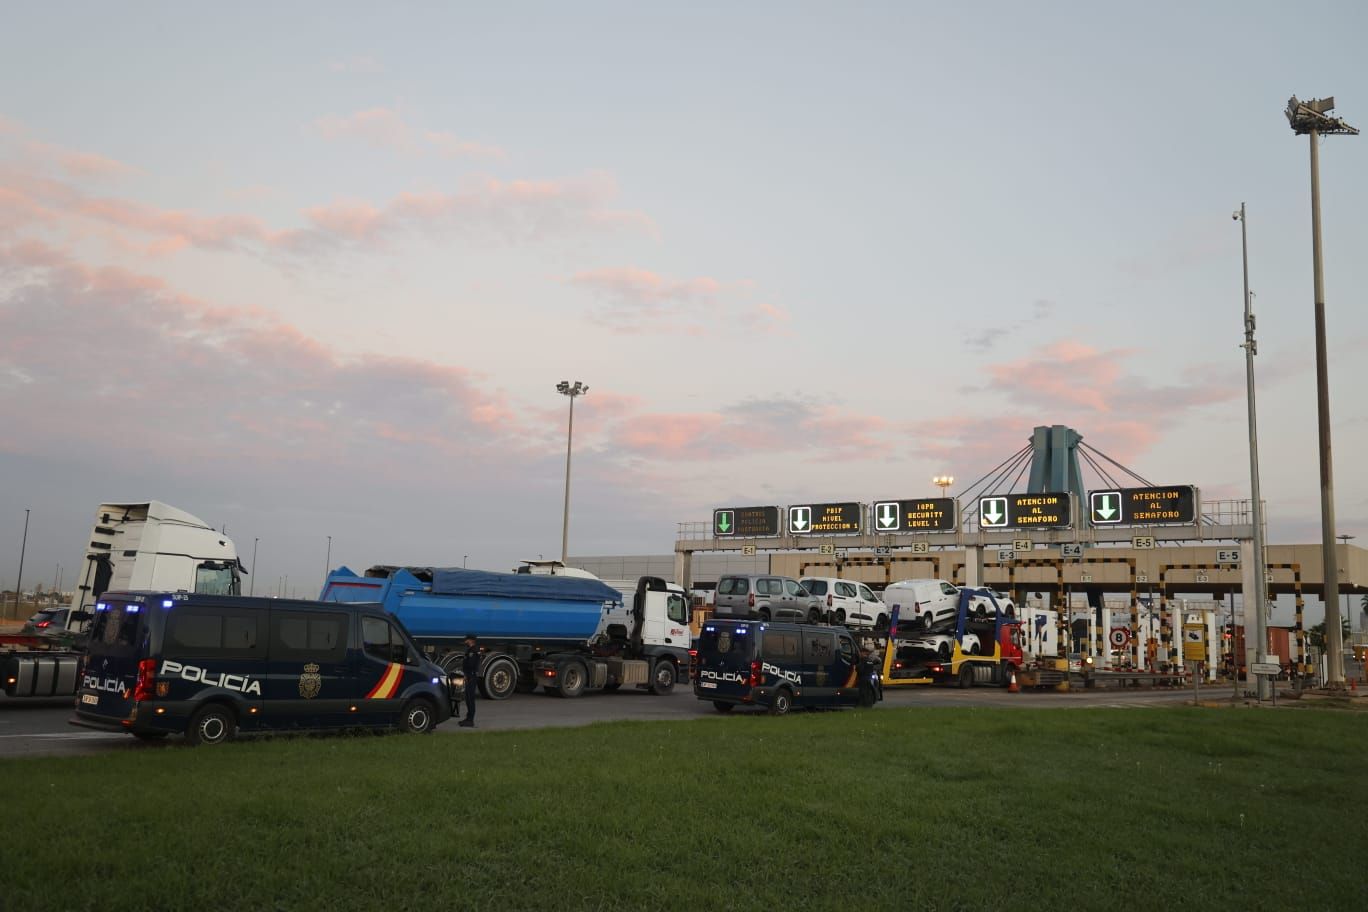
column 928, row 809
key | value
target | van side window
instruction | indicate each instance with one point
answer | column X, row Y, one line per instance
column 208, row 632
column 866, row 594
column 815, row 587
column 845, row 589
column 308, row 636
column 770, row 587
column 847, row 650
column 790, row 587
column 780, row 647
column 820, row 647
column 381, row 640
column 676, row 609
column 734, row 585
column 948, row 589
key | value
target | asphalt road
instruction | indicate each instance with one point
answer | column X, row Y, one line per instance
column 32, row 728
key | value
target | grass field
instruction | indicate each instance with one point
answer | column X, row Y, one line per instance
column 887, row 809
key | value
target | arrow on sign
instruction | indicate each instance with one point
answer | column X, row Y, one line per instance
column 887, row 515
column 994, row 510
column 798, row 518
column 724, row 522
column 1106, row 506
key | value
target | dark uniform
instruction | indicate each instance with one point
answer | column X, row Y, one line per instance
column 470, row 666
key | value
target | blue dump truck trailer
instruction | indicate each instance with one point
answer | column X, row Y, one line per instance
column 567, row 634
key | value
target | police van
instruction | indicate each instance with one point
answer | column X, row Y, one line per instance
column 208, row 666
column 781, row 666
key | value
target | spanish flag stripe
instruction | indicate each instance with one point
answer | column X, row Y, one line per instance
column 388, row 683
column 854, row 673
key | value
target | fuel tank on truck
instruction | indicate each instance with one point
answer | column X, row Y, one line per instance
column 448, row 604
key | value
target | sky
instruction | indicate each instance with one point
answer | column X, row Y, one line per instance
column 314, row 270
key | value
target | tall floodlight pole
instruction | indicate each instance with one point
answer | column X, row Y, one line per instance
column 19, row 583
column 1312, row 117
column 1260, row 593
column 251, row 585
column 327, row 562
column 565, row 388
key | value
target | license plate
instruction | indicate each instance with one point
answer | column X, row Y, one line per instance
column 92, row 699
column 707, row 684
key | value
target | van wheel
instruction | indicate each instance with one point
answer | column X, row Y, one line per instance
column 781, row 702
column 881, row 624
column 572, row 679
column 418, row 717
column 966, row 676
column 926, row 621
column 840, row 618
column 722, row 706
column 211, row 725
column 814, row 616
column 663, row 680
column 500, row 679
column 764, row 614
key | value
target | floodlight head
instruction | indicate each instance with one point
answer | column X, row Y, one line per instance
column 1312, row 115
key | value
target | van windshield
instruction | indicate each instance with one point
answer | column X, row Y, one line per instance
column 116, row 626
column 725, row 641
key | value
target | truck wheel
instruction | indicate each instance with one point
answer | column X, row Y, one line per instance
column 418, row 717
column 663, row 679
column 213, row 724
column 1006, row 672
column 781, row 702
column 572, row 679
column 722, row 706
column 966, row 676
column 500, row 679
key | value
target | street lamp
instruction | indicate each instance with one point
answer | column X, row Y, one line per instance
column 251, row 585
column 1348, row 612
column 19, row 583
column 1312, row 118
column 1251, row 348
column 943, row 482
column 565, row 388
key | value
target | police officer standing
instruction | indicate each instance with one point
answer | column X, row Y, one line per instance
column 470, row 666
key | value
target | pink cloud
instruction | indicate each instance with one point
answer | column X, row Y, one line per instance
column 386, row 128
column 75, row 163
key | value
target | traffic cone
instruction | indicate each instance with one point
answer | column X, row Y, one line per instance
column 1012, row 686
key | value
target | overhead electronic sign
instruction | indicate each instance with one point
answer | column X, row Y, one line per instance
column 935, row 514
column 1045, row 510
column 808, row 519
column 746, row 522
column 1154, row 506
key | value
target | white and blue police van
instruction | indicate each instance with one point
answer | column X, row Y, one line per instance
column 209, row 666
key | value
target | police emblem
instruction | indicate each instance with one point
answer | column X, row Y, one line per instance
column 310, row 682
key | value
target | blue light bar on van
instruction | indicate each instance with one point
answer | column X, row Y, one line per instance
column 130, row 609
column 740, row 630
column 100, row 606
column 167, row 603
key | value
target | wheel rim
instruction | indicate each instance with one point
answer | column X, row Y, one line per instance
column 574, row 678
column 213, row 728
column 418, row 719
column 665, row 674
column 500, row 679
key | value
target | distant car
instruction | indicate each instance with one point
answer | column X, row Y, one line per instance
column 983, row 601
column 924, row 604
column 48, row 622
column 765, row 597
column 938, row 645
column 847, row 603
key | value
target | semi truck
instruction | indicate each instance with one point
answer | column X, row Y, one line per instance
column 566, row 632
column 992, row 643
column 132, row 546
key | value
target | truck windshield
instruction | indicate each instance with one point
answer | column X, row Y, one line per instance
column 215, row 578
